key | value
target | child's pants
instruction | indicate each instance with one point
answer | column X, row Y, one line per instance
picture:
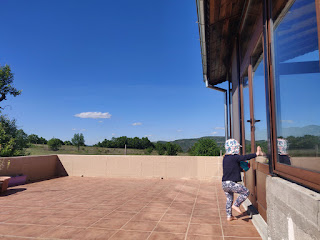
column 229, row 188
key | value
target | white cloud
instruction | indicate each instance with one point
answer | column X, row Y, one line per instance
column 100, row 121
column 79, row 130
column 148, row 135
column 113, row 134
column 219, row 128
column 214, row 133
column 287, row 121
column 94, row 115
column 137, row 124
column 179, row 130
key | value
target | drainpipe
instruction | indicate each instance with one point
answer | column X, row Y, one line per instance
column 225, row 106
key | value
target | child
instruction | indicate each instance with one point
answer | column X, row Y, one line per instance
column 231, row 175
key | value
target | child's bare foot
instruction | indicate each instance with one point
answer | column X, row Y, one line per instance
column 236, row 208
column 231, row 218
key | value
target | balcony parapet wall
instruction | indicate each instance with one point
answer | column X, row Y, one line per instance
column 36, row 168
column 39, row 168
column 142, row 166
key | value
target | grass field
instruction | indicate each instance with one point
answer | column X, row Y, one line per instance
column 42, row 149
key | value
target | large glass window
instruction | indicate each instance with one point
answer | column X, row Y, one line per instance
column 246, row 115
column 297, row 84
column 259, row 100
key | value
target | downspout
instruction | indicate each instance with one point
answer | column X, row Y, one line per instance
column 225, row 106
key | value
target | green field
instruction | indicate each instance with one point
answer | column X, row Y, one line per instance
column 42, row 149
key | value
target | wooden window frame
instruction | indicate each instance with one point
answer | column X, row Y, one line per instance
column 307, row 178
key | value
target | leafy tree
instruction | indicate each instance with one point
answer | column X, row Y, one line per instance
column 172, row 148
column 6, row 80
column 54, row 144
column 145, row 143
column 205, row 147
column 42, row 140
column 68, row 143
column 160, row 148
column 12, row 140
column 78, row 140
column 33, row 138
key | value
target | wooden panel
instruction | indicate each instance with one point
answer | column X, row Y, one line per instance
column 262, row 167
column 250, row 183
column 261, row 193
column 255, row 37
column 214, row 10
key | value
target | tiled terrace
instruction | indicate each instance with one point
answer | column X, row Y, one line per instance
column 110, row 208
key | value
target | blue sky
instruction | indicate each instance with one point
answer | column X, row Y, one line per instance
column 135, row 63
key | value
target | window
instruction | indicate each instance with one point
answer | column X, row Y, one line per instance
column 259, row 100
column 297, row 84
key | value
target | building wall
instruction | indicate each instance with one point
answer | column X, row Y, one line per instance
column 142, row 166
column 235, row 97
column 293, row 211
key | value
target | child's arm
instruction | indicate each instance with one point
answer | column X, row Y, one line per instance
column 250, row 156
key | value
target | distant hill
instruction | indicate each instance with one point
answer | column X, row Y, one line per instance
column 292, row 131
column 187, row 143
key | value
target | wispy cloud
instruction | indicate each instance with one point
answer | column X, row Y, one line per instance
column 179, row 130
column 79, row 130
column 113, row 134
column 137, row 124
column 100, row 121
column 214, row 133
column 148, row 135
column 219, row 128
column 287, row 121
column 94, row 115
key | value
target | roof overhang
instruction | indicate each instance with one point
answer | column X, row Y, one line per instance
column 219, row 22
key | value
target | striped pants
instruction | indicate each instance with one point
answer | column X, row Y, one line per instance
column 229, row 189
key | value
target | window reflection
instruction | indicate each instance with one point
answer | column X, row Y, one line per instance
column 246, row 115
column 297, row 81
column 259, row 99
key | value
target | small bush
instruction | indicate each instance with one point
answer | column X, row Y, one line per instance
column 54, row 144
column 148, row 150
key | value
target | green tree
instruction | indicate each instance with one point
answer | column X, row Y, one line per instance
column 160, row 148
column 42, row 140
column 54, row 144
column 68, row 143
column 6, row 80
column 172, row 148
column 78, row 140
column 205, row 147
column 33, row 138
column 12, row 140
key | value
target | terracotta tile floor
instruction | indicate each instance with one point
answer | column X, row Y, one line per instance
column 104, row 208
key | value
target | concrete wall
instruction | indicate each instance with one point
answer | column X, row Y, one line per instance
column 142, row 166
column 35, row 167
column 293, row 211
